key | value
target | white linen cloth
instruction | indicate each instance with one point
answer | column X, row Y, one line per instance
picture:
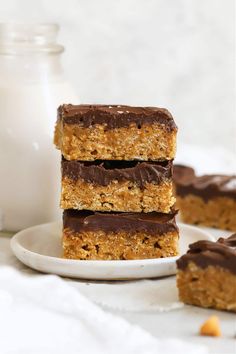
column 133, row 296
column 43, row 314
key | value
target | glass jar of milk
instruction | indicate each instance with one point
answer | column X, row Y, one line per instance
column 31, row 88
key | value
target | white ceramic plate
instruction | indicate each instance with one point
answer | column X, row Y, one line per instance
column 39, row 247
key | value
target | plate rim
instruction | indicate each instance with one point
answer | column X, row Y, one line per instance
column 17, row 246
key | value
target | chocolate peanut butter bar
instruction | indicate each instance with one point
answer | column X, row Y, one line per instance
column 206, row 274
column 99, row 132
column 119, row 236
column 208, row 200
column 117, row 186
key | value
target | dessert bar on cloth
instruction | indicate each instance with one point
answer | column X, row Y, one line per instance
column 206, row 274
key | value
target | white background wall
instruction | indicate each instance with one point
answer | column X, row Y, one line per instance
column 179, row 54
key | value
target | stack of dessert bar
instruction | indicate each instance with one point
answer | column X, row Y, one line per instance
column 117, row 182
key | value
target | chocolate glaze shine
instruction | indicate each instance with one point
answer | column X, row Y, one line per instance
column 104, row 172
column 206, row 187
column 205, row 253
column 115, row 116
column 230, row 241
column 149, row 223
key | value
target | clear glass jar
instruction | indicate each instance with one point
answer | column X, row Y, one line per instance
column 32, row 86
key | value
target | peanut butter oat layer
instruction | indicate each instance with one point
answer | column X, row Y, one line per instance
column 119, row 236
column 208, row 200
column 206, row 274
column 117, row 186
column 97, row 132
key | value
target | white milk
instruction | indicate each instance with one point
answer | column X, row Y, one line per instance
column 31, row 89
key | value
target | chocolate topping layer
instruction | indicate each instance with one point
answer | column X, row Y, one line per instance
column 150, row 223
column 115, row 116
column 104, row 172
column 183, row 173
column 206, row 187
column 205, row 253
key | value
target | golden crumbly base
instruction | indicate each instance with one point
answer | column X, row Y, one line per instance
column 150, row 142
column 219, row 212
column 98, row 245
column 207, row 287
column 117, row 196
